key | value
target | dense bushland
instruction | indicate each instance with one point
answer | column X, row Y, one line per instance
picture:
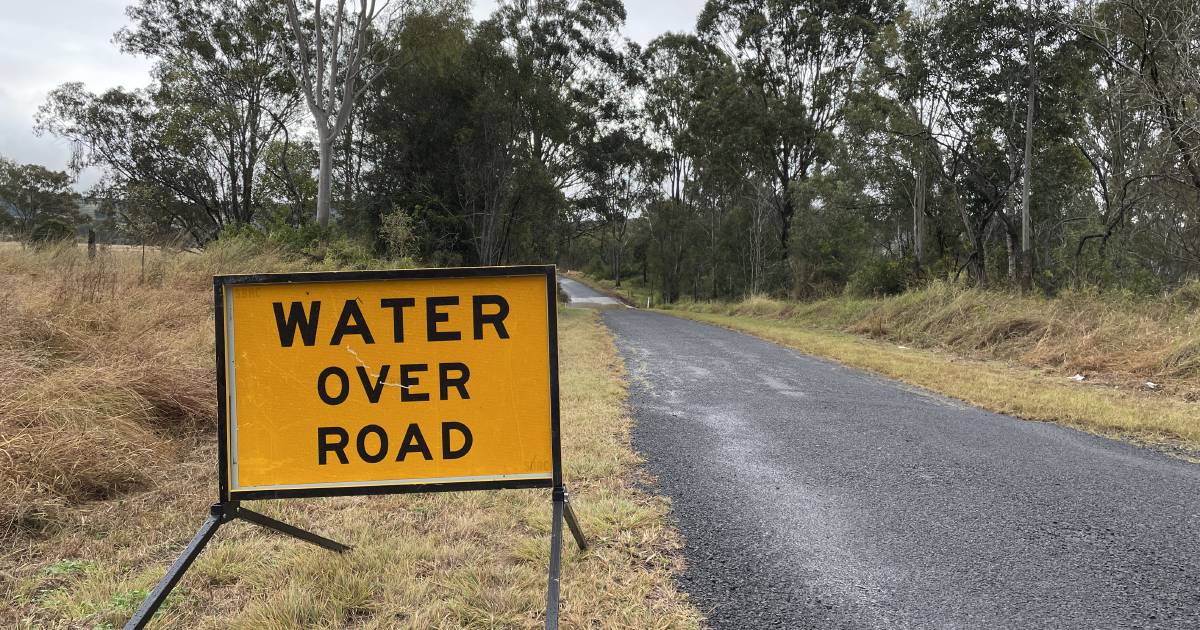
column 794, row 149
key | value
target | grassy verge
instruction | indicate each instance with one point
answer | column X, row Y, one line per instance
column 106, row 456
column 1008, row 354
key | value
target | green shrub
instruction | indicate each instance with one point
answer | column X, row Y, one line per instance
column 1188, row 295
column 398, row 235
column 305, row 240
column 344, row 253
column 880, row 277
column 310, row 244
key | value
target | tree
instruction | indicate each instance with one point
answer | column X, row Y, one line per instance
column 623, row 173
column 197, row 134
column 489, row 149
column 1149, row 57
column 676, row 69
column 797, row 60
column 571, row 77
column 35, row 195
column 977, row 68
column 220, row 60
column 338, row 56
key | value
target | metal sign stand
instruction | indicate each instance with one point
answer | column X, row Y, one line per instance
column 562, row 507
column 219, row 514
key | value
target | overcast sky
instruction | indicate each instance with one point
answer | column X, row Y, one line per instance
column 44, row 43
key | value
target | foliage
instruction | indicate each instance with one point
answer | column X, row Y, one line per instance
column 37, row 203
column 51, row 231
column 192, row 143
column 878, row 278
column 787, row 147
column 397, row 234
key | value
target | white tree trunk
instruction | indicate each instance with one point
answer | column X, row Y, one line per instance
column 325, row 181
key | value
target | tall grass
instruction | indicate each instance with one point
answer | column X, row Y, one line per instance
column 105, row 371
column 1116, row 338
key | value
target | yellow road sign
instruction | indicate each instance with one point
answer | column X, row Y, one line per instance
column 389, row 381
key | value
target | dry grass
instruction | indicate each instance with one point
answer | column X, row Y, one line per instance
column 104, row 376
column 1119, row 339
column 107, row 457
column 1010, row 353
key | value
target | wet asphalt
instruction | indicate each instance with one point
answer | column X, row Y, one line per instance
column 583, row 295
column 811, row 495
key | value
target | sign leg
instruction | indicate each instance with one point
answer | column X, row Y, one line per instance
column 290, row 530
column 160, row 592
column 555, row 559
column 573, row 522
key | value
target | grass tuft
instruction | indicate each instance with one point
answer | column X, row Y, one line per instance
column 1117, row 339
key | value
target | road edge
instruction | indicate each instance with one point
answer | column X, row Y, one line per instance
column 990, row 385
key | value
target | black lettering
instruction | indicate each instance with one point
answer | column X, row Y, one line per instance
column 458, row 382
column 362, row 444
column 449, row 453
column 323, row 391
column 397, row 305
column 296, row 318
column 495, row 319
column 433, row 317
column 414, row 442
column 344, row 327
column 408, row 382
column 325, row 446
column 374, row 390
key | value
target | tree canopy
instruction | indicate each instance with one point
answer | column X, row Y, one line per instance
column 797, row 147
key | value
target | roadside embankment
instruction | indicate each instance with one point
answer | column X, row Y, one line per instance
column 107, row 457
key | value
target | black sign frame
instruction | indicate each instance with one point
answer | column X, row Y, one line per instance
column 450, row 273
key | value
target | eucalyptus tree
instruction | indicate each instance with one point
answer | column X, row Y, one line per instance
column 566, row 54
column 677, row 74
column 490, row 157
column 798, row 60
column 977, row 70
column 1149, row 178
column 31, row 194
column 220, row 95
column 338, row 54
column 222, row 60
column 675, row 69
column 623, row 174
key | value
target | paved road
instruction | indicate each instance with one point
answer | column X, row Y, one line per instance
column 583, row 295
column 817, row 496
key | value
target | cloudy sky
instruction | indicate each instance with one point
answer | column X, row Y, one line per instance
column 44, row 43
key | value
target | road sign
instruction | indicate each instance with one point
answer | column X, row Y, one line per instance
column 353, row 383
column 372, row 382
